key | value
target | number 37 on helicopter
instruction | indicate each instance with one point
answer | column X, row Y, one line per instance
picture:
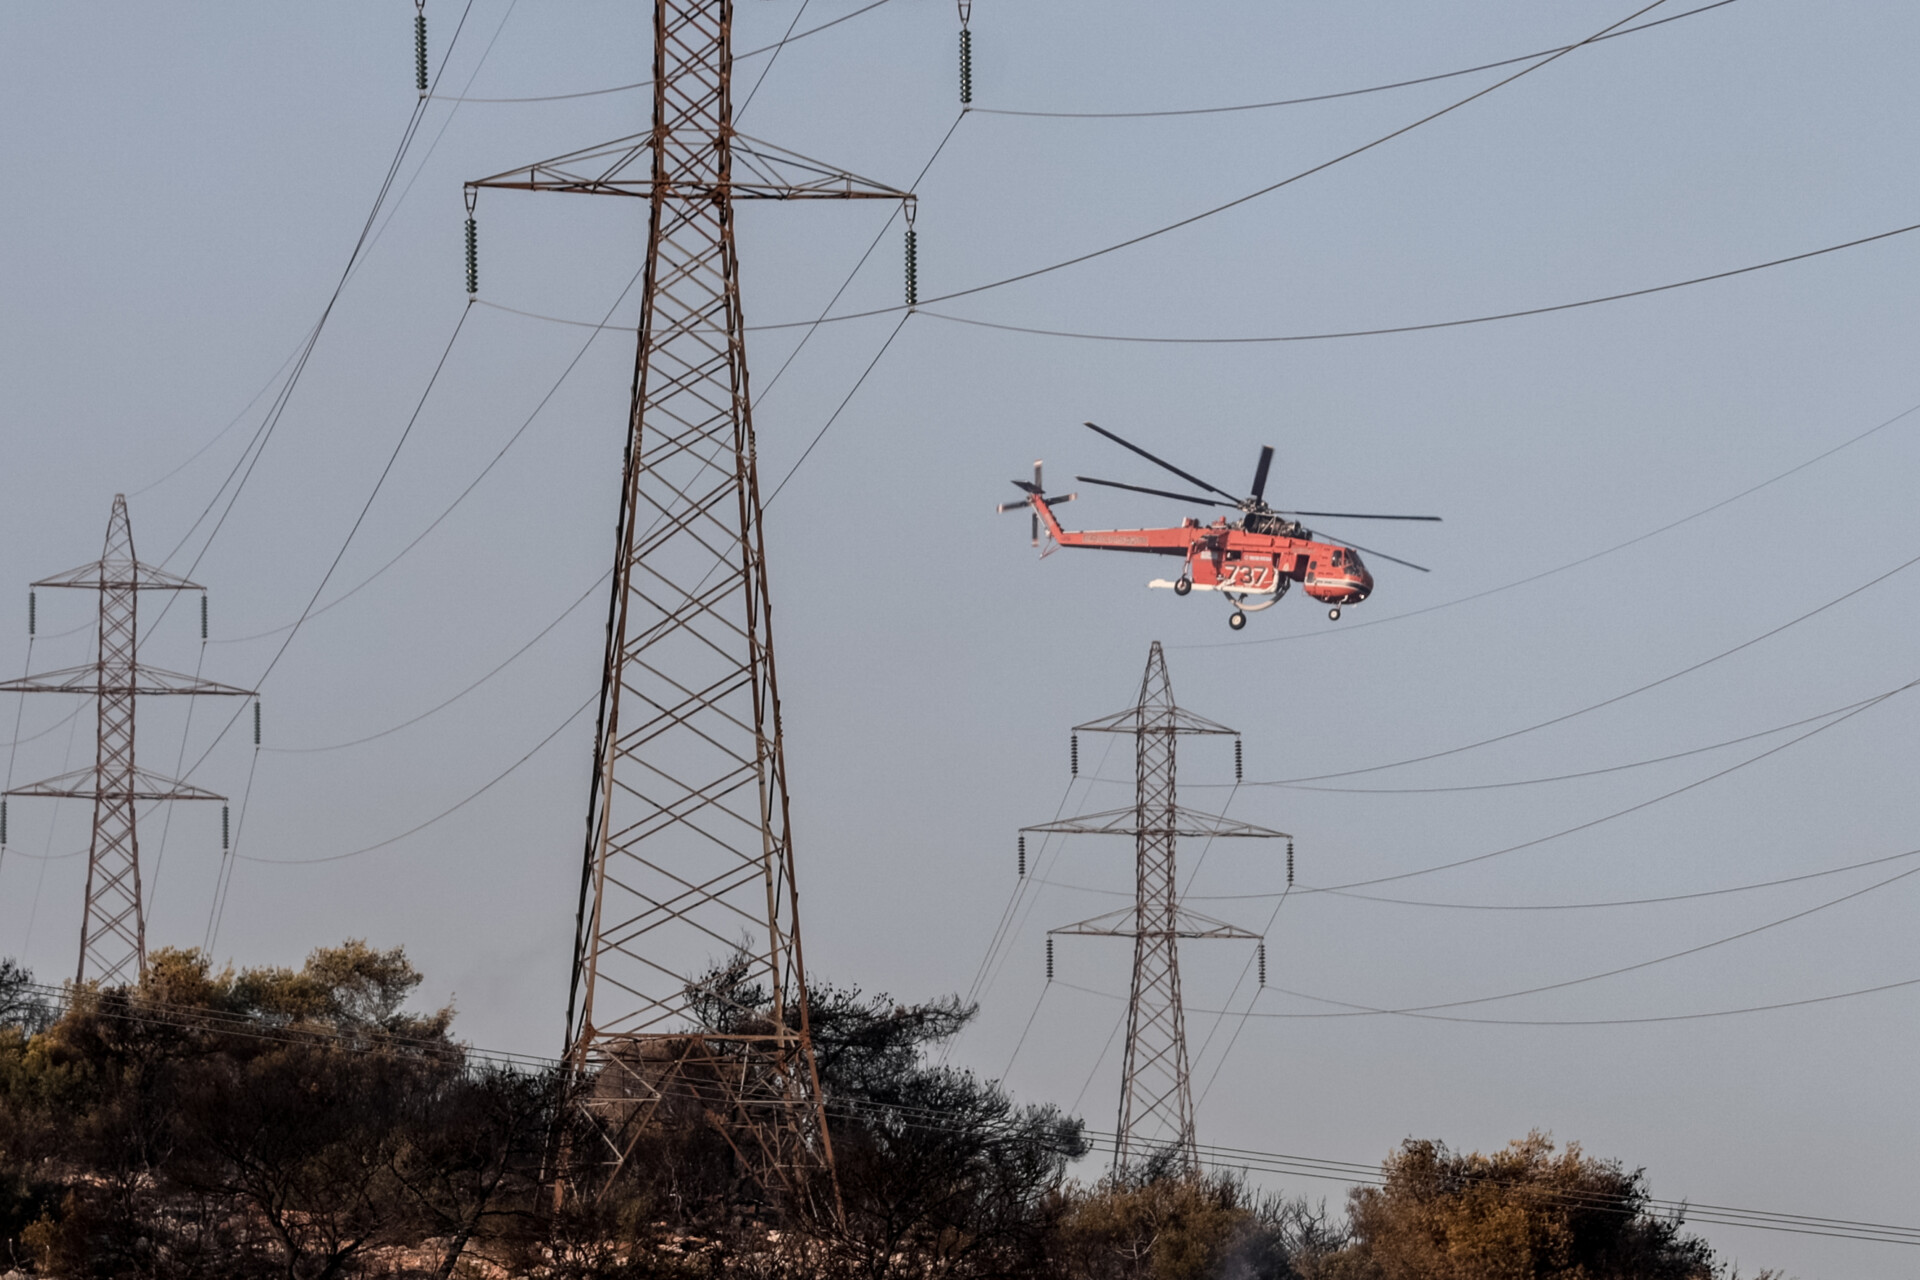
column 1251, row 560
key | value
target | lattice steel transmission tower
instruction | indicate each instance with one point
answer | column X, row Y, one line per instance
column 1156, row 1094
column 689, row 862
column 113, row 932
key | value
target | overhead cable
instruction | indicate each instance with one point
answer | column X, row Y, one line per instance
column 1436, row 324
column 379, row 483
column 464, row 493
column 1344, row 93
column 445, row 813
column 1326, row 335
column 444, row 703
column 358, row 262
column 1521, row 906
column 1237, row 201
column 775, row 47
column 154, row 1013
column 1617, row 813
column 1360, row 1011
column 1750, row 490
column 1669, row 678
column 249, row 458
column 1541, row 780
column 1580, row 1022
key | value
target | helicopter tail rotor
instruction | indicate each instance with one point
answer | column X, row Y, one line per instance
column 1035, row 496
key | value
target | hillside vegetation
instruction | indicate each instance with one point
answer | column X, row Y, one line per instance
column 305, row 1123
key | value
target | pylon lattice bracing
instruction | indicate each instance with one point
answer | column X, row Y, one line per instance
column 689, row 868
column 1156, row 1091
column 113, row 930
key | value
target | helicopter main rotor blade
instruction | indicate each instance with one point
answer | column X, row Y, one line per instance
column 1158, row 493
column 1260, row 473
column 1162, row 462
column 1383, row 555
column 1353, row 515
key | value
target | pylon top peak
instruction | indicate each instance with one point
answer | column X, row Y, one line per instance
column 118, row 568
column 1156, row 710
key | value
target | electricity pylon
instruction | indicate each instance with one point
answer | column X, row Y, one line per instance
column 113, row 932
column 689, row 993
column 1156, row 1094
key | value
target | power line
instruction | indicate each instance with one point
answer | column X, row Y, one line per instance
column 445, row 813
column 469, row 489
column 738, row 57
column 1344, row 93
column 447, row 702
column 41, row 733
column 250, row 456
column 1204, row 214
column 1327, row 335
column 761, row 79
column 221, row 434
column 1571, row 1022
column 1538, row 780
column 365, row 507
column 1525, row 906
column 1240, row 1158
column 1360, row 1010
column 1822, row 456
column 1436, row 324
column 472, row 484
column 358, row 261
column 1617, row 813
column 1630, row 693
column 1658, row 960
column 835, row 415
column 1246, row 1159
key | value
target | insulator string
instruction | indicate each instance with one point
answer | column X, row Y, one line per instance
column 420, row 45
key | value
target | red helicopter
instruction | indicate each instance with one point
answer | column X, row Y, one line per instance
column 1251, row 560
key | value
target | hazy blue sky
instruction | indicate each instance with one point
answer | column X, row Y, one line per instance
column 185, row 183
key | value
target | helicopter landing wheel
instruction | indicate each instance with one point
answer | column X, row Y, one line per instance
column 1236, row 620
column 1333, row 614
column 1183, row 586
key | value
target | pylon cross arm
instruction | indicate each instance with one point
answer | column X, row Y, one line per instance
column 1154, row 720
column 142, row 679
column 615, row 169
column 1180, row 821
column 119, row 573
column 1125, row 923
column 83, row 784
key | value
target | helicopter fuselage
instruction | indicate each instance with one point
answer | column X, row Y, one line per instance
column 1229, row 557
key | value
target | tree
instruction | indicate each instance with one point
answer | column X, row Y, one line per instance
column 940, row 1173
column 470, row 1150
column 303, row 1135
column 1522, row 1213
column 1159, row 1225
column 196, row 1107
column 22, row 1007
